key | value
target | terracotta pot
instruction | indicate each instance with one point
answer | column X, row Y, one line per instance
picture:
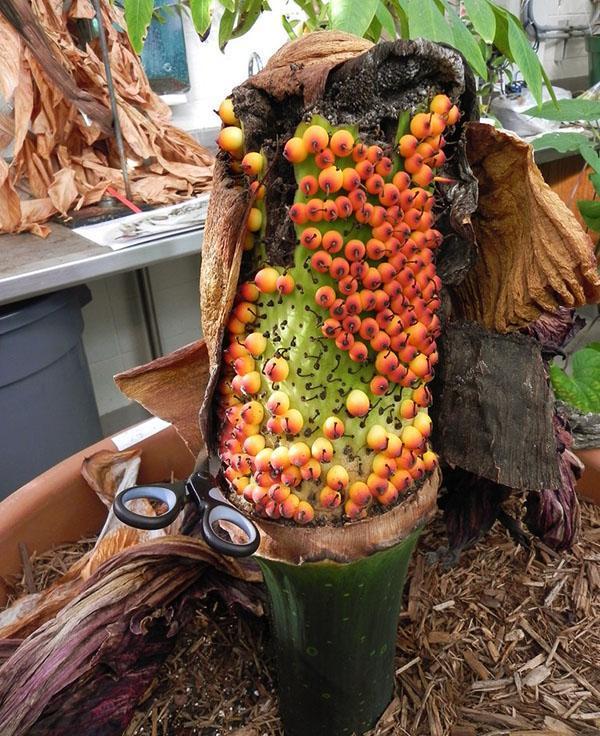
column 58, row 506
column 588, row 486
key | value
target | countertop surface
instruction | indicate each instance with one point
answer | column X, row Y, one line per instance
column 30, row 265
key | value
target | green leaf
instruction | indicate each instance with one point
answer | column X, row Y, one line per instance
column 593, row 346
column 567, row 111
column 525, row 57
column 225, row 29
column 289, row 27
column 249, row 13
column 590, row 157
column 373, row 32
column 595, row 179
column 228, row 5
column 562, row 142
column 353, row 16
column 512, row 41
column 590, row 211
column 425, row 20
column 400, row 9
column 386, row 19
column 465, row 42
column 586, row 372
column 200, row 10
column 482, row 17
column 138, row 14
column 566, row 388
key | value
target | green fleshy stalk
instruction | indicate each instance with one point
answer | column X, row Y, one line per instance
column 334, row 629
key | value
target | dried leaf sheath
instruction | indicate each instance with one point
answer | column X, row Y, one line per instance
column 533, row 254
column 60, row 162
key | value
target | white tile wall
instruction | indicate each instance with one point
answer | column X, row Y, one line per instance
column 114, row 336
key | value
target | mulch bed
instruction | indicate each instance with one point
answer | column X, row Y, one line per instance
column 505, row 643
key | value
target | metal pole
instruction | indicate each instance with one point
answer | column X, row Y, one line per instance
column 113, row 98
column 144, row 284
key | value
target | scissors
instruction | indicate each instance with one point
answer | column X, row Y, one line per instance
column 211, row 503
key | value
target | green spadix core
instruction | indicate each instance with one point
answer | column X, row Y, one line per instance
column 334, row 631
column 321, row 375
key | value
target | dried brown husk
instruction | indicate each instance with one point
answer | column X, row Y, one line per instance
column 533, row 255
column 59, row 161
column 172, row 388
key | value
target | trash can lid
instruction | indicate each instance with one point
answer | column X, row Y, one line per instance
column 18, row 314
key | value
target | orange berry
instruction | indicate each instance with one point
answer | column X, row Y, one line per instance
column 280, row 458
column 414, row 164
column 374, row 184
column 333, row 428
column 231, row 139
column 424, row 176
column 354, row 511
column 377, row 485
column 256, row 343
column 407, row 145
column 314, row 210
column 401, row 480
column 226, row 112
column 266, row 280
column 374, row 154
column 407, row 409
column 258, row 190
column 299, row 453
column 248, row 292
column 254, row 221
column 359, row 493
column 359, row 152
column 254, row 444
column 337, row 477
column 291, row 476
column 384, row 167
column 422, row 422
column 311, row 238
column 379, row 385
column 253, row 163
column 359, row 352
column 354, row 250
column 308, row 185
column 453, row 115
column 383, row 465
column 304, row 513
column 322, row 450
column 244, row 364
column 251, row 383
column 437, row 124
column 343, row 206
column 289, row 507
column 411, row 438
column 325, row 158
column 311, row 470
column 332, row 241
column 420, row 125
column 315, row 138
column 330, row 498
column 295, row 151
column 285, row 284
column 365, row 169
column 292, row 421
column 278, row 492
column 262, row 461
column 389, row 496
column 325, row 296
column 377, row 438
column 321, row 261
column 420, row 366
column 394, row 448
column 252, row 412
column 401, row 180
column 276, row 369
column 331, row 179
column 278, row 403
column 440, row 104
column 430, row 460
column 341, row 143
column 350, row 179
column 357, row 403
column 298, row 213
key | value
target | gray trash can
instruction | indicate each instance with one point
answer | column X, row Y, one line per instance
column 47, row 405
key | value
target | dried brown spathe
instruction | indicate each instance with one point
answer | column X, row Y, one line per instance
column 61, row 163
column 533, row 255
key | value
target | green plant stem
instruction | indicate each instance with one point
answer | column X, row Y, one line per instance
column 334, row 628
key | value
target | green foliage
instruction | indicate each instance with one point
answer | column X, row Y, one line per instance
column 486, row 30
column 561, row 142
column 582, row 389
column 567, row 111
column 351, row 16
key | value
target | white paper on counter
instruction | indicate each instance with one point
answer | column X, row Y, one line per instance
column 144, row 227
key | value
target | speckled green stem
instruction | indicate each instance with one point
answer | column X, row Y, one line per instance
column 334, row 628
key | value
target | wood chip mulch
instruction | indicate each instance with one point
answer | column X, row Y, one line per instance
column 507, row 643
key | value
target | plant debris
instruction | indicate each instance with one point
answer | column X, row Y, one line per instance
column 508, row 643
column 53, row 77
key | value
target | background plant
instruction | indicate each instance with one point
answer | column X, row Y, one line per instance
column 581, row 389
column 488, row 36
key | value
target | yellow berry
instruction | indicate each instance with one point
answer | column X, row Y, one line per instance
column 357, row 403
column 226, row 113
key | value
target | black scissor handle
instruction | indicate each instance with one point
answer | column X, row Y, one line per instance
column 172, row 496
column 224, row 512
